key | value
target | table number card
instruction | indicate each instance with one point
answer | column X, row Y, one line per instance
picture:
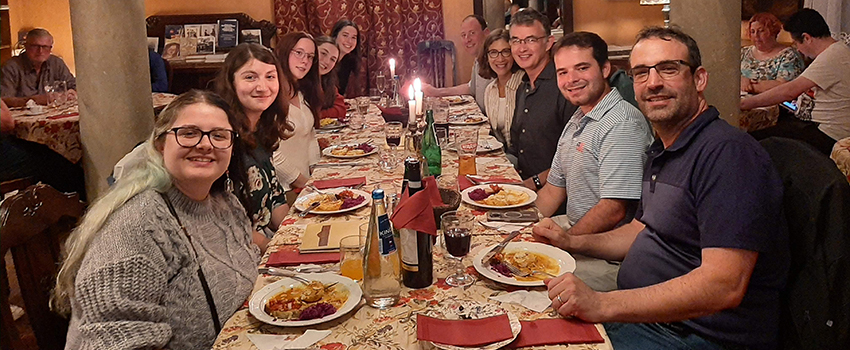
column 325, row 236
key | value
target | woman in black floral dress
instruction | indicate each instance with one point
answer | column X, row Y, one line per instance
column 250, row 82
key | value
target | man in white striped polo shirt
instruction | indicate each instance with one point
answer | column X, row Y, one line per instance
column 599, row 162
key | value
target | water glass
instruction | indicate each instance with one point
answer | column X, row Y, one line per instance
column 49, row 90
column 457, row 239
column 351, row 256
column 60, row 88
column 388, row 160
column 363, row 103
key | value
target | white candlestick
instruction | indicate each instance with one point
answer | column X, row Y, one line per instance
column 417, row 93
column 411, row 115
column 392, row 67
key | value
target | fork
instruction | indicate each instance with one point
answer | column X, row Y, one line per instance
column 516, row 271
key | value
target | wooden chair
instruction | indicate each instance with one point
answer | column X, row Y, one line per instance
column 33, row 225
column 15, row 184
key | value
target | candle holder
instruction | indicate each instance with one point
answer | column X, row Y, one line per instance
column 395, row 99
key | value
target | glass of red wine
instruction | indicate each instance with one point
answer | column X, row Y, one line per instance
column 393, row 131
column 457, row 238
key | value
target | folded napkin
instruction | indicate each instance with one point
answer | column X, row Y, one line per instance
column 323, row 184
column 464, row 183
column 556, row 331
column 277, row 342
column 417, row 212
column 74, row 114
column 537, row 301
column 394, row 114
column 292, row 257
column 468, row 333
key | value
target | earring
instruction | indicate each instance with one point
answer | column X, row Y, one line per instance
column 228, row 184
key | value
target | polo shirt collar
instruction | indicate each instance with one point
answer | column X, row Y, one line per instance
column 605, row 104
column 705, row 118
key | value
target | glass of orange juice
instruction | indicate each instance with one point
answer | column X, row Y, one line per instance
column 466, row 143
column 351, row 256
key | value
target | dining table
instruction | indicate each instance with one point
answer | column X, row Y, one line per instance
column 395, row 327
column 58, row 127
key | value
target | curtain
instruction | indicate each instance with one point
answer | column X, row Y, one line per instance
column 388, row 29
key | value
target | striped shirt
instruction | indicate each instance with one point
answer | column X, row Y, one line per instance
column 601, row 155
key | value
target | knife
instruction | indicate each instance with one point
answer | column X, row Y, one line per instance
column 501, row 246
column 327, row 165
column 311, row 207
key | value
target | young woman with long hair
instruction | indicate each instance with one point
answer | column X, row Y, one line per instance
column 296, row 52
column 166, row 231
column 333, row 104
column 347, row 37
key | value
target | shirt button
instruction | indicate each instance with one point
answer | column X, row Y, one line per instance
column 521, row 151
column 654, row 176
column 525, row 110
column 526, row 90
column 523, row 131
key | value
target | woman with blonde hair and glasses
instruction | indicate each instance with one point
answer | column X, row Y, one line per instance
column 165, row 257
column 496, row 62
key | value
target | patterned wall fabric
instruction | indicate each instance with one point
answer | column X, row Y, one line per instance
column 388, row 28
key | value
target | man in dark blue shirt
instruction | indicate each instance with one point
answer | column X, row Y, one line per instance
column 705, row 259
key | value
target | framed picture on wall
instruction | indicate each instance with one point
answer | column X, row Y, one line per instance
column 153, row 44
column 252, row 36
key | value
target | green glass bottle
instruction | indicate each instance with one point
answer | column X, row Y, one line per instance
column 431, row 147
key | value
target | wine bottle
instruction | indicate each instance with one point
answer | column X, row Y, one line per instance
column 381, row 285
column 431, row 147
column 417, row 260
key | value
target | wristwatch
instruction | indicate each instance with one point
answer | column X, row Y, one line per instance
column 537, row 182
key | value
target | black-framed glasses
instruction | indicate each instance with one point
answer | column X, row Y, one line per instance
column 299, row 54
column 529, row 40
column 188, row 137
column 40, row 47
column 666, row 70
column 494, row 53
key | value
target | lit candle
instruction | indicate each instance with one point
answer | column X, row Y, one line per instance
column 411, row 106
column 417, row 92
column 392, row 67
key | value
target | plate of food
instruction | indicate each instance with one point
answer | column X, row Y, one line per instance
column 291, row 303
column 330, row 124
column 467, row 119
column 454, row 309
column 456, row 100
column 486, row 144
column 355, row 150
column 498, row 196
column 334, row 201
column 527, row 257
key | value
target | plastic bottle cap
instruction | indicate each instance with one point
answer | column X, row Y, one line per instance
column 378, row 194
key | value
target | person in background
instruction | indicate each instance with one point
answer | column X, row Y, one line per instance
column 26, row 75
column 473, row 30
column 767, row 63
column 333, row 104
column 541, row 111
column 347, row 37
column 22, row 159
column 496, row 62
column 250, row 84
column 297, row 53
column 159, row 77
column 828, row 76
column 707, row 256
column 139, row 264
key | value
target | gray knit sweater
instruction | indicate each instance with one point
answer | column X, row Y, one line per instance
column 138, row 286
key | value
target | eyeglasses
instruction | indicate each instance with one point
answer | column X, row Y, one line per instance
column 301, row 54
column 190, row 137
column 39, row 47
column 529, row 40
column 665, row 69
column 505, row 53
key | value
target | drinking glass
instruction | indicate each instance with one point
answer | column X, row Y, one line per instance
column 388, row 159
column 51, row 95
column 381, row 83
column 466, row 144
column 363, row 105
column 351, row 256
column 457, row 237
column 60, row 88
column 393, row 131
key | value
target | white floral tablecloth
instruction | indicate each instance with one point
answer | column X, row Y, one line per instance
column 393, row 328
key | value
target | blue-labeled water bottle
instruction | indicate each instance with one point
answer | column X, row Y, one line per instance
column 381, row 268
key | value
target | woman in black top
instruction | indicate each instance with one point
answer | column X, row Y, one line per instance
column 347, row 37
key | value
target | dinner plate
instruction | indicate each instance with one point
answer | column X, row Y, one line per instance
column 304, row 202
column 327, row 151
column 259, row 300
column 485, row 144
column 461, row 119
column 470, row 309
column 336, row 125
column 566, row 262
column 456, row 100
column 532, row 196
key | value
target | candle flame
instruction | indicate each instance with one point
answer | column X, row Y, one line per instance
column 410, row 92
column 417, row 85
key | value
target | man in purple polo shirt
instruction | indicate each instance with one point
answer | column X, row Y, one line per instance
column 705, row 259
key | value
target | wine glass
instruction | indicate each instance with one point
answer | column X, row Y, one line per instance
column 381, row 83
column 457, row 237
column 393, row 131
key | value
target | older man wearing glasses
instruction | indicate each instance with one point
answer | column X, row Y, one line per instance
column 26, row 75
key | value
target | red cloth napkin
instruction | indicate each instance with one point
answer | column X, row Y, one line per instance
column 556, row 331
column 417, row 212
column 293, row 257
column 64, row 116
column 323, row 184
column 464, row 183
column 394, row 114
column 464, row 332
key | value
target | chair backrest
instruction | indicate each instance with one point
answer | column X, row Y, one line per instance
column 816, row 300
column 33, row 225
column 435, row 51
column 169, row 73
